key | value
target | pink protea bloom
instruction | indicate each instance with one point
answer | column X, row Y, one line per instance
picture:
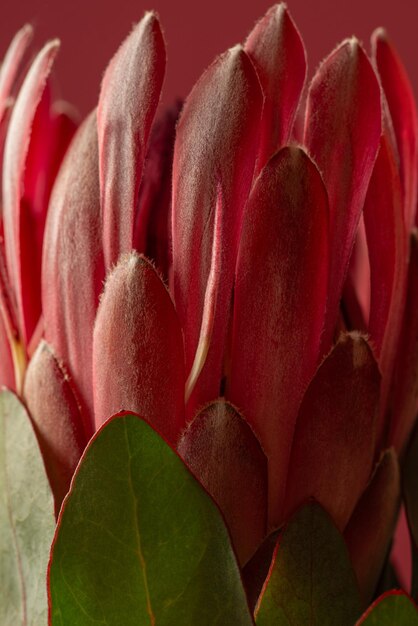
column 243, row 277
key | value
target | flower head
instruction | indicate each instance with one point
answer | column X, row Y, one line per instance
column 243, row 277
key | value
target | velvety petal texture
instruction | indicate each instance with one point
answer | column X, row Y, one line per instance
column 225, row 456
column 57, row 420
column 342, row 134
column 138, row 357
column 214, row 156
column 17, row 232
column 276, row 49
column 128, row 100
column 333, row 445
column 279, row 304
column 210, row 313
column 72, row 267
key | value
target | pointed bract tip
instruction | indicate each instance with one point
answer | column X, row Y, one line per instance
column 53, row 44
column 380, row 34
column 26, row 32
column 49, row 50
column 150, row 16
column 236, row 50
column 130, row 261
column 150, row 19
column 355, row 45
column 352, row 43
column 63, row 107
column 280, row 8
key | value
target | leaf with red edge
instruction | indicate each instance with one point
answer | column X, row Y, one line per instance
column 214, row 155
column 405, row 396
column 369, row 532
column 72, row 264
column 139, row 541
column 334, row 440
column 255, row 572
column 403, row 113
column 342, row 134
column 128, row 100
column 279, row 305
column 15, row 155
column 394, row 608
column 224, row 454
column 11, row 65
column 277, row 51
column 138, row 356
column 310, row 579
column 56, row 417
column 26, row 519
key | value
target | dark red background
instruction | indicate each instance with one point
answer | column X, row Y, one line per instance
column 91, row 30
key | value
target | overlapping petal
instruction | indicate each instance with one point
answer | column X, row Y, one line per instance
column 334, row 440
column 402, row 108
column 371, row 526
column 11, row 65
column 72, row 265
column 224, row 454
column 405, row 395
column 277, row 51
column 138, row 356
column 279, row 304
column 128, row 100
column 386, row 242
column 342, row 134
column 57, row 418
column 214, row 156
column 16, row 216
column 152, row 236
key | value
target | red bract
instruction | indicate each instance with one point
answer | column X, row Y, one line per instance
column 37, row 137
column 275, row 254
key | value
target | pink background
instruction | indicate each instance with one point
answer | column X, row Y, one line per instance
column 196, row 31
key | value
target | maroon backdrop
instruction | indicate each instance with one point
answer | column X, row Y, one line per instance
column 91, row 30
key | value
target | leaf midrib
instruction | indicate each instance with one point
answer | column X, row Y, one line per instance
column 137, row 533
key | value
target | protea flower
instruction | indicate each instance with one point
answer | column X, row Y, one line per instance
column 210, row 319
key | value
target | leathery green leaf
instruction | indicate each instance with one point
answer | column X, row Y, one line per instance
column 139, row 541
column 394, row 608
column 311, row 581
column 26, row 519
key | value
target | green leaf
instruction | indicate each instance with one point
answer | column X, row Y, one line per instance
column 26, row 519
column 394, row 608
column 140, row 542
column 311, row 581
